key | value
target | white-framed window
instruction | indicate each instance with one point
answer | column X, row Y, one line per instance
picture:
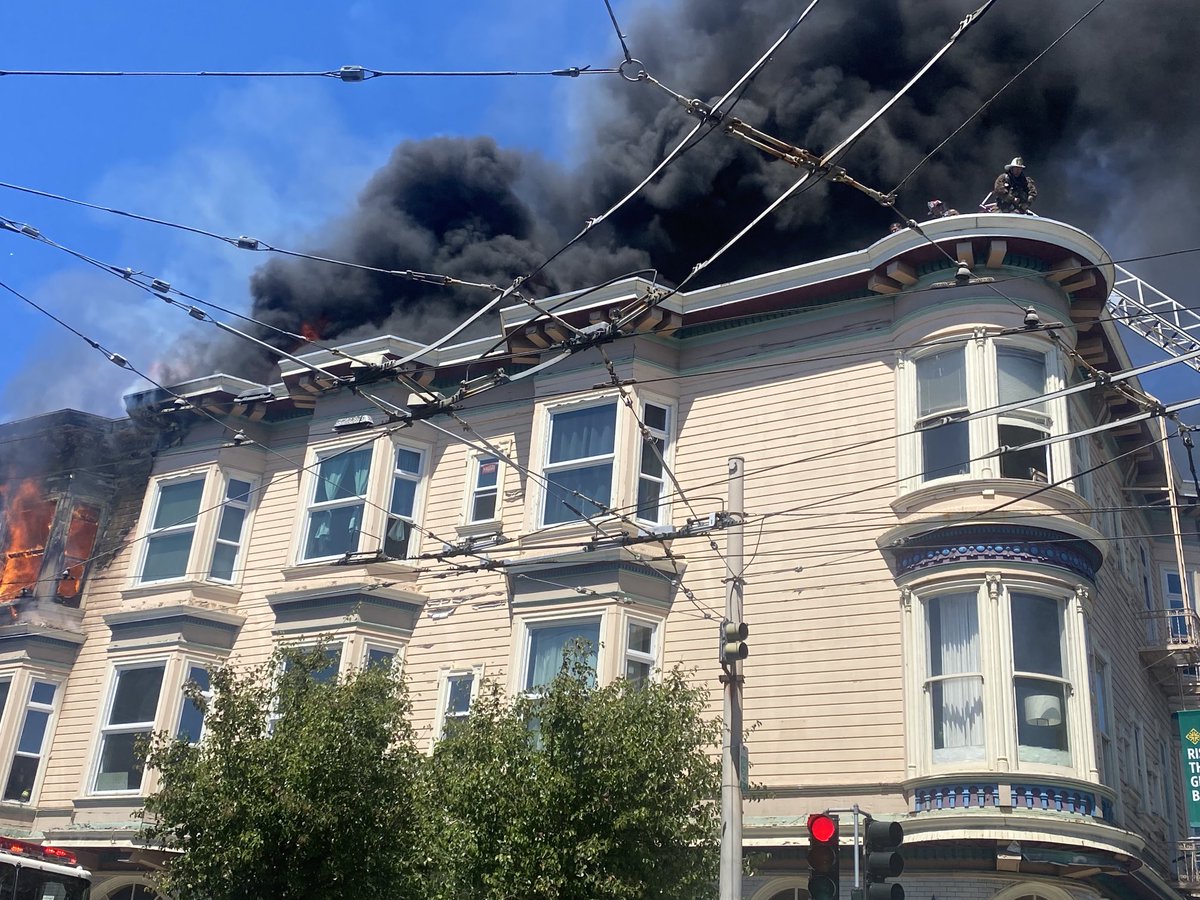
column 362, row 499
column 954, row 676
column 407, row 473
column 579, row 462
column 231, row 528
column 129, row 718
column 483, row 496
column 548, row 641
column 641, row 650
column 652, row 484
column 457, row 690
column 172, row 529
column 943, row 386
column 32, row 741
column 994, row 667
column 383, row 656
column 195, row 527
column 337, row 504
column 1102, row 716
column 191, row 714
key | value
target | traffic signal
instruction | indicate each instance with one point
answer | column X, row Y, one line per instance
column 881, row 859
column 733, row 642
column 823, row 854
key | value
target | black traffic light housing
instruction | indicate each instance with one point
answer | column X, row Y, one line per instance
column 882, row 859
column 823, row 857
column 733, row 642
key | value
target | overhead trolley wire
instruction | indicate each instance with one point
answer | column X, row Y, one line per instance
column 347, row 74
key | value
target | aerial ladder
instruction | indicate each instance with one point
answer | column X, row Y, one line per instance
column 1162, row 321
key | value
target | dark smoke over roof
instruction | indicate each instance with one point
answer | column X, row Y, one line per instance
column 1105, row 123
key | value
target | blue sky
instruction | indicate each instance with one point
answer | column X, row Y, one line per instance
column 275, row 158
column 278, row 159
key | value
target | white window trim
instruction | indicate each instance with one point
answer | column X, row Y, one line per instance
column 668, row 453
column 526, row 623
column 445, row 674
column 185, row 672
column 204, row 531
column 248, row 507
column 413, row 547
column 617, row 497
column 103, row 729
column 377, row 498
column 474, row 459
column 981, row 363
column 1001, row 751
column 654, row 657
column 21, row 683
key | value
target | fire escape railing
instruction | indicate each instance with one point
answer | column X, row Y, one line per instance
column 1187, row 862
column 1171, row 628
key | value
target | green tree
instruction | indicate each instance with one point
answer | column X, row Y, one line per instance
column 583, row 793
column 301, row 787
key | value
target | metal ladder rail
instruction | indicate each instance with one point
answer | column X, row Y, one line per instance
column 1146, row 310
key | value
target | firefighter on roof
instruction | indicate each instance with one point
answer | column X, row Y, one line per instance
column 938, row 210
column 1014, row 191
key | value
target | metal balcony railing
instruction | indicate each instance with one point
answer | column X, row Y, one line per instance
column 1187, row 862
column 1170, row 629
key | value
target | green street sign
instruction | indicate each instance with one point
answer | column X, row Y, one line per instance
column 1189, row 736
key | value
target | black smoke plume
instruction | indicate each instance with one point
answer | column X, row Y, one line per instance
column 1106, row 123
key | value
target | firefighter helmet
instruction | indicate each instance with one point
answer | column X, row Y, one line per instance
column 1017, row 163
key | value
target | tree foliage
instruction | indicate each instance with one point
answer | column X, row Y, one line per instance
column 583, row 793
column 298, row 789
column 303, row 789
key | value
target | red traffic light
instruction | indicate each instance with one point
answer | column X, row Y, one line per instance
column 823, row 828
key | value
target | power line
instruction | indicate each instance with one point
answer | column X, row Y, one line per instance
column 346, row 74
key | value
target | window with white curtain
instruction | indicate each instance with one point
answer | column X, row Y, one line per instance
column 579, row 462
column 549, row 645
column 955, row 678
column 339, row 499
column 406, row 478
column 1000, row 661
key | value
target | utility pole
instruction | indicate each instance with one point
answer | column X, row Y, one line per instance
column 731, row 654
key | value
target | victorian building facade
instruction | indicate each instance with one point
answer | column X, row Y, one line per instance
column 965, row 614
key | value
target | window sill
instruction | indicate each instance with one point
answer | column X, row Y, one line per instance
column 183, row 591
column 478, row 529
column 396, row 569
column 574, row 532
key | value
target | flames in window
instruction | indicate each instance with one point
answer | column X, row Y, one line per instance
column 81, row 540
column 25, row 520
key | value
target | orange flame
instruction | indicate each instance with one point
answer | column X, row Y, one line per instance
column 81, row 540
column 25, row 525
column 310, row 332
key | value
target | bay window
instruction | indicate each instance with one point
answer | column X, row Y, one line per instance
column 998, row 665
column 406, row 477
column 652, row 476
column 550, row 645
column 955, row 677
column 339, row 500
column 128, row 721
column 946, row 393
column 362, row 499
column 172, row 528
column 941, row 406
column 195, row 528
column 1021, row 375
column 31, row 742
column 579, row 463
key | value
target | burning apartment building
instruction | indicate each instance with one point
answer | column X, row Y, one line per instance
column 970, row 610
